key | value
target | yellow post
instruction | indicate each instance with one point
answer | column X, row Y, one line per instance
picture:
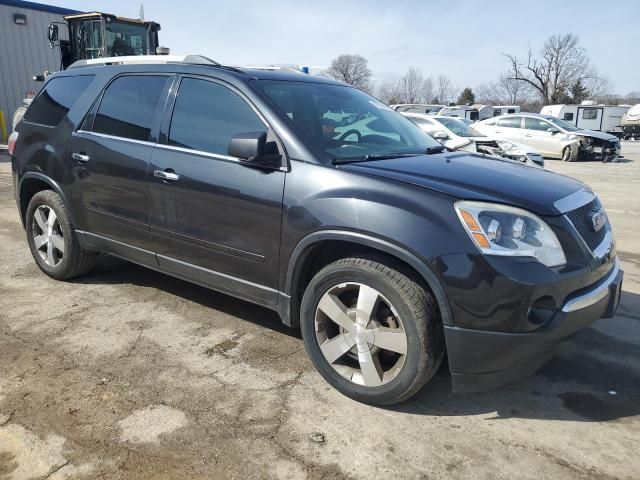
column 3, row 127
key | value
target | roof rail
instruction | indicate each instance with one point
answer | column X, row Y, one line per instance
column 145, row 59
column 269, row 67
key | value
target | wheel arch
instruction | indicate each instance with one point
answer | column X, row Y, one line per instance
column 32, row 183
column 299, row 261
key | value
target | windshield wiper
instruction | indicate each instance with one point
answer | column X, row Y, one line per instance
column 436, row 149
column 371, row 156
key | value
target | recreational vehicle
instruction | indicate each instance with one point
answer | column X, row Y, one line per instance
column 472, row 112
column 504, row 109
column 589, row 116
column 631, row 123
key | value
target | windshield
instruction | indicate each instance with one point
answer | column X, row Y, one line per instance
column 562, row 124
column 459, row 127
column 125, row 39
column 340, row 122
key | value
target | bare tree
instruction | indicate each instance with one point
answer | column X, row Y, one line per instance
column 445, row 91
column 412, row 87
column 351, row 69
column 506, row 91
column 561, row 63
column 389, row 92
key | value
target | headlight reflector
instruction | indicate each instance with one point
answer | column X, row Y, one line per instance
column 509, row 231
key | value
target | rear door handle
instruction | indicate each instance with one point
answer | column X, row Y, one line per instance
column 167, row 176
column 80, row 157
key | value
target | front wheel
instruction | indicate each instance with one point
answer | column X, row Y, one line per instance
column 569, row 154
column 372, row 331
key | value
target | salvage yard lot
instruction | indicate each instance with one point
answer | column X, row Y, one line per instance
column 127, row 373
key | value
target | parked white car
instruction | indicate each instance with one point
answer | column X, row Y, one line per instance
column 554, row 137
column 455, row 134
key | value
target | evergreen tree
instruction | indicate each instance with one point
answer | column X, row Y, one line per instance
column 466, row 97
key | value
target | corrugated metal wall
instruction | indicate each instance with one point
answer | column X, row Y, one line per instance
column 24, row 52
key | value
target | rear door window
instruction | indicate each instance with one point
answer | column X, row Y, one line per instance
column 56, row 99
column 207, row 115
column 531, row 123
column 128, row 106
column 510, row 122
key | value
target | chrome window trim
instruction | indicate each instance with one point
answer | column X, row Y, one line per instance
column 215, row 156
column 198, row 152
column 594, row 296
column 113, row 137
column 169, row 147
column 574, row 200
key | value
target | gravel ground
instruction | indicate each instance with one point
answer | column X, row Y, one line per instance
column 127, row 373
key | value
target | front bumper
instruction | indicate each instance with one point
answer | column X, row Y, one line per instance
column 482, row 359
column 604, row 151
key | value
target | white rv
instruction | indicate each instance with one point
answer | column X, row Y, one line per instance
column 589, row 116
column 504, row 109
column 473, row 112
column 631, row 123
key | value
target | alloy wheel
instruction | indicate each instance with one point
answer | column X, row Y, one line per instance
column 47, row 235
column 360, row 334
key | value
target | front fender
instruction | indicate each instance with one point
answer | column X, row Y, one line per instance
column 305, row 246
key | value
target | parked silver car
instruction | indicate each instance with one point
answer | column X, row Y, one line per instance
column 554, row 137
column 456, row 134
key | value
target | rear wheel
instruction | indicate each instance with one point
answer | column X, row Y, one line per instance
column 52, row 238
column 371, row 330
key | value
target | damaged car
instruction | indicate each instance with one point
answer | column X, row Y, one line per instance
column 555, row 138
column 456, row 134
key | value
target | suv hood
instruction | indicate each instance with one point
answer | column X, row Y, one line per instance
column 477, row 177
column 594, row 134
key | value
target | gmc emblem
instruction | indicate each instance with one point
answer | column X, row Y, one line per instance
column 598, row 220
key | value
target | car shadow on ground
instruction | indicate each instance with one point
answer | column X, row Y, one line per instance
column 111, row 270
column 593, row 377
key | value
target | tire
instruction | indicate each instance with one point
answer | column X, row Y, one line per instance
column 402, row 305
column 66, row 259
column 17, row 116
column 569, row 154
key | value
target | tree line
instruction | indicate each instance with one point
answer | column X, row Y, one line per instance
column 560, row 72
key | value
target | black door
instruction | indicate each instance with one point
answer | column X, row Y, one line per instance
column 214, row 218
column 110, row 158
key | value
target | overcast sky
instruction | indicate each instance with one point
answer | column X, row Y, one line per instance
column 462, row 39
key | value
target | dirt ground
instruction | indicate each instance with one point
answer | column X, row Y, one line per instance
column 127, row 373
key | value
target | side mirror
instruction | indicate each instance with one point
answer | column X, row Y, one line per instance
column 249, row 146
column 52, row 33
column 440, row 135
column 553, row 130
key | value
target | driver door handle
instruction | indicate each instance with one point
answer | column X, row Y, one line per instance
column 80, row 157
column 167, row 176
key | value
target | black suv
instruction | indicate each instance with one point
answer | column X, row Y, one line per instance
column 316, row 200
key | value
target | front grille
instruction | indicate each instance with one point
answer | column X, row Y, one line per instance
column 581, row 220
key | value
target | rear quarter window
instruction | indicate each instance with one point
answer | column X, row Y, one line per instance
column 56, row 99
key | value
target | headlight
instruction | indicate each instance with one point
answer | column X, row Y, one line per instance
column 509, row 231
column 509, row 147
